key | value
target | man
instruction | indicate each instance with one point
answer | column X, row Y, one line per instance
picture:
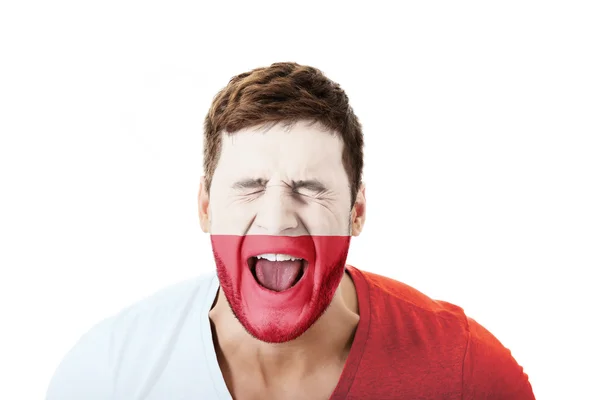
column 285, row 317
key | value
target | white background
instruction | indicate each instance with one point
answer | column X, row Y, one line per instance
column 481, row 125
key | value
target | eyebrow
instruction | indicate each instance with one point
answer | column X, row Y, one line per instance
column 313, row 185
column 250, row 183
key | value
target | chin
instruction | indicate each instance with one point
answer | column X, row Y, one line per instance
column 279, row 316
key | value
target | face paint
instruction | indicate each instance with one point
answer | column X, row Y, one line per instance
column 280, row 192
column 269, row 315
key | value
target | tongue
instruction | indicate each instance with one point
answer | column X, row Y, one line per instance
column 277, row 275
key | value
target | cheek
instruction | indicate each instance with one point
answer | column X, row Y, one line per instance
column 323, row 221
column 231, row 219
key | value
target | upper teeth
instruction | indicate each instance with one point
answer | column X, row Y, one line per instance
column 277, row 257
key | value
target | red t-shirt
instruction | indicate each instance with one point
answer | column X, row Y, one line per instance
column 408, row 346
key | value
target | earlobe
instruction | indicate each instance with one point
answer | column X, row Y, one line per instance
column 203, row 206
column 359, row 211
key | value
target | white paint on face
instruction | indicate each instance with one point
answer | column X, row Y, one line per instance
column 285, row 181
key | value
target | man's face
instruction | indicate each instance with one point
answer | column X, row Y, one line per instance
column 280, row 220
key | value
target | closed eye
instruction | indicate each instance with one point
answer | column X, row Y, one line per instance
column 313, row 186
column 253, row 193
column 309, row 193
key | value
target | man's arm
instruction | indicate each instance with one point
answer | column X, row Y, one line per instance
column 490, row 371
column 84, row 373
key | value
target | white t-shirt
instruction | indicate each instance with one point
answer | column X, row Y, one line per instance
column 126, row 357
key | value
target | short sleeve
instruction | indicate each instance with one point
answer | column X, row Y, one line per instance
column 84, row 373
column 490, row 371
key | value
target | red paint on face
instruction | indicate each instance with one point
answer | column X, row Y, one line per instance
column 276, row 317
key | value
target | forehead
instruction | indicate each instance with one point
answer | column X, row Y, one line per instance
column 299, row 151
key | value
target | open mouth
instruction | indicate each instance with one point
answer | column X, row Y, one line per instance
column 277, row 272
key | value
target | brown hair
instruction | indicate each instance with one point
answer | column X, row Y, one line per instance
column 284, row 92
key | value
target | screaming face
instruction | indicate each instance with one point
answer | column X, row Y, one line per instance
column 280, row 217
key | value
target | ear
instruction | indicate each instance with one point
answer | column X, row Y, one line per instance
column 359, row 211
column 203, row 206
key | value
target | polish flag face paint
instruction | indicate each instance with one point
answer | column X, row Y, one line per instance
column 282, row 313
column 279, row 214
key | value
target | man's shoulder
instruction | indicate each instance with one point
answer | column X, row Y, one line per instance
column 134, row 342
column 162, row 311
column 392, row 293
column 192, row 292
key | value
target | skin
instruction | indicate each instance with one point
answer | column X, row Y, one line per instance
column 255, row 190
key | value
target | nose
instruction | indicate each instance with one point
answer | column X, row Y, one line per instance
column 277, row 214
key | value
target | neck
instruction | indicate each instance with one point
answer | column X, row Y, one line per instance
column 327, row 342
